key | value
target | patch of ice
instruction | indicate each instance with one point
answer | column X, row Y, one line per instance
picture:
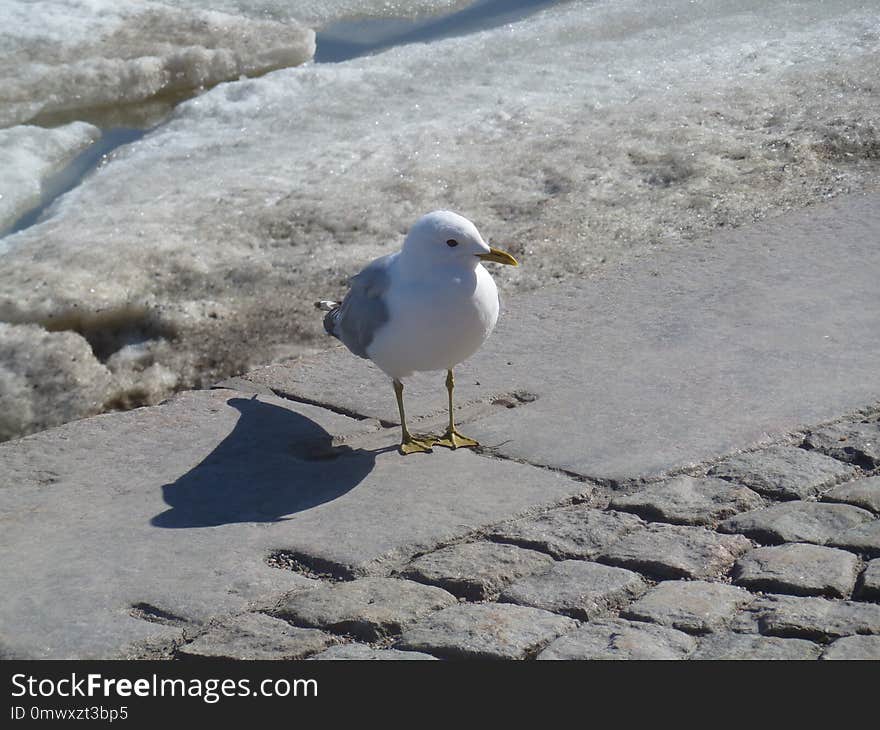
column 584, row 134
column 318, row 13
column 31, row 155
column 61, row 56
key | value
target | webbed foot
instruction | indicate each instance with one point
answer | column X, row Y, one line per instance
column 413, row 445
column 452, row 439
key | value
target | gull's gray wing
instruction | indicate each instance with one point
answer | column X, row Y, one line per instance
column 364, row 310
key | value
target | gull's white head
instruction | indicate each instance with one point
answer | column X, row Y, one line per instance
column 445, row 238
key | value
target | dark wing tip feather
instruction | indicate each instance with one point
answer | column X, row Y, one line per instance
column 330, row 320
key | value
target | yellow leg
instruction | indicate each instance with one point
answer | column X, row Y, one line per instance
column 408, row 443
column 452, row 439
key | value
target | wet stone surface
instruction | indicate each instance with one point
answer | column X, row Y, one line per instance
column 798, row 569
column 368, row 608
column 476, row 570
column 578, row 531
column 485, row 631
column 815, row 522
column 784, row 472
column 576, row 588
column 672, row 551
column 695, row 607
column 620, row 639
column 687, row 500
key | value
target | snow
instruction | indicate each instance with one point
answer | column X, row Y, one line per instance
column 60, row 57
column 66, row 56
column 61, row 363
column 586, row 134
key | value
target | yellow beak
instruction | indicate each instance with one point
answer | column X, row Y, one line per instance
column 499, row 257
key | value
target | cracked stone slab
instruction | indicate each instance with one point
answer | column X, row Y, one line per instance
column 255, row 636
column 243, row 385
column 485, row 631
column 864, row 493
column 869, row 584
column 673, row 551
column 784, row 472
column 409, row 505
column 620, row 639
column 132, row 506
column 864, row 539
column 695, row 607
column 114, row 528
column 815, row 522
column 577, row 588
column 578, row 531
column 736, row 647
column 687, row 500
column 476, row 570
column 798, row 569
column 360, row 652
column 855, row 443
column 850, row 648
column 745, row 349
column 368, row 608
column 818, row 619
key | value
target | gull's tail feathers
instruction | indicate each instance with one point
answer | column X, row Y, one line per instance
column 332, row 316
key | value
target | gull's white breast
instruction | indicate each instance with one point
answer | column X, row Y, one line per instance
column 435, row 323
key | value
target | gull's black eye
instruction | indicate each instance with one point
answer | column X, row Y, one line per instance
column 452, row 243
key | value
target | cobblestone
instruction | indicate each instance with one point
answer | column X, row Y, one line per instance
column 730, row 646
column 476, row 570
column 695, row 607
column 784, row 472
column 869, row 585
column 368, row 608
column 689, row 500
column 576, row 588
column 255, row 636
column 485, row 631
column 856, row 443
column 818, row 619
column 673, row 551
column 854, row 648
column 360, row 652
column 620, row 639
column 814, row 522
column 578, row 531
column 864, row 493
column 798, row 569
column 864, row 539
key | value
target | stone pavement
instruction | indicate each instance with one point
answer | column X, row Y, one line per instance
column 681, row 460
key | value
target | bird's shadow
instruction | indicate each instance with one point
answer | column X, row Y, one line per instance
column 274, row 463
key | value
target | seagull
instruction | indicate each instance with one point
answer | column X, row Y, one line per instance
column 428, row 306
